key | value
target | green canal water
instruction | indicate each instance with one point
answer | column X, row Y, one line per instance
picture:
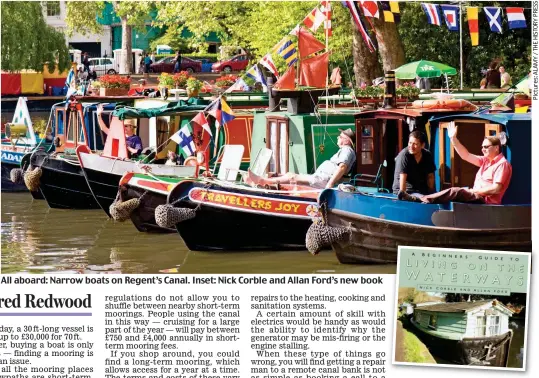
column 37, row 239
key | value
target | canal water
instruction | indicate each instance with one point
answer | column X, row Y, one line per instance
column 37, row 239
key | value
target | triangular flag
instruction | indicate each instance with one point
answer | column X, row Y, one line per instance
column 287, row 81
column 494, row 16
column 370, row 9
column 308, row 44
column 313, row 71
column 352, row 7
column 314, row 19
column 473, row 24
column 267, row 62
column 200, row 122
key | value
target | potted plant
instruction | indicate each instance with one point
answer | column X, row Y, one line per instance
column 180, row 79
column 114, row 85
column 225, row 81
column 166, row 81
column 193, row 86
column 408, row 91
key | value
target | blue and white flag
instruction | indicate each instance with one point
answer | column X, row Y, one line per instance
column 494, row 16
column 70, row 84
column 184, row 138
column 255, row 74
column 431, row 10
column 515, row 18
column 451, row 16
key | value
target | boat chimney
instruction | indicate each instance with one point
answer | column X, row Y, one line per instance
column 390, row 97
column 273, row 99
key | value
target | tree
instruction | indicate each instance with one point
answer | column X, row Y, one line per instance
column 82, row 16
column 28, row 42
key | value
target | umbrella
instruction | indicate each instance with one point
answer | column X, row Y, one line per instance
column 423, row 68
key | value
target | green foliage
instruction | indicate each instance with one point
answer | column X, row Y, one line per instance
column 415, row 350
column 81, row 16
column 407, row 90
column 193, row 84
column 423, row 41
column 370, row 91
column 28, row 42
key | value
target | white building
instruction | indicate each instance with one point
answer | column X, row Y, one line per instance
column 95, row 44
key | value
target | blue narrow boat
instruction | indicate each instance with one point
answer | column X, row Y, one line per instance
column 378, row 222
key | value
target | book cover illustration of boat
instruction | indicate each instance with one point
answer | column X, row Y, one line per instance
column 379, row 222
column 18, row 139
column 466, row 333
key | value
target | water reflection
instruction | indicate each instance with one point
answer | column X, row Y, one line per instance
column 36, row 239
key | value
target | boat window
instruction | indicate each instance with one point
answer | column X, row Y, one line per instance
column 480, row 326
column 277, row 138
column 494, row 325
column 71, row 127
column 367, row 144
column 433, row 321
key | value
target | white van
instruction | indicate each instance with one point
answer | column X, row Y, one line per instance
column 102, row 66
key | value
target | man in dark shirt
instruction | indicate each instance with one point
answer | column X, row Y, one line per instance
column 414, row 167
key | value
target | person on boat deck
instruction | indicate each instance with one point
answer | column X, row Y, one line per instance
column 326, row 175
column 133, row 142
column 491, row 181
column 414, row 167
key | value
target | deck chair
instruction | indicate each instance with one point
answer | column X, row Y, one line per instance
column 260, row 164
column 230, row 164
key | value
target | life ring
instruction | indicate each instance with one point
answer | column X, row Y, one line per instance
column 443, row 104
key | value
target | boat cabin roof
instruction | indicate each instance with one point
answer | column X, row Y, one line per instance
column 408, row 112
column 460, row 307
column 501, row 118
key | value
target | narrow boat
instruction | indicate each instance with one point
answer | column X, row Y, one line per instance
column 466, row 333
column 18, row 140
column 379, row 222
column 230, row 216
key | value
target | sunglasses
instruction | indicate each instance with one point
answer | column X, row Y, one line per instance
column 486, row 147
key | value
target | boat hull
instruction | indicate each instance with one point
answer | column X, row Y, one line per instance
column 62, row 183
column 235, row 225
column 476, row 351
column 14, row 160
column 143, row 217
column 103, row 174
column 376, row 241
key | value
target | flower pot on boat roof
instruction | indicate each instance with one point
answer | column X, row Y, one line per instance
column 193, row 87
column 114, row 85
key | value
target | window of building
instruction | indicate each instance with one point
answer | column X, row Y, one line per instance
column 433, row 321
column 53, row 8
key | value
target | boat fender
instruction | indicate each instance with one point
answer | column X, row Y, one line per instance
column 31, row 178
column 167, row 216
column 17, row 176
column 121, row 210
column 320, row 236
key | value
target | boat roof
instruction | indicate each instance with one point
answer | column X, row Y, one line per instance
column 410, row 112
column 501, row 118
column 458, row 307
column 168, row 109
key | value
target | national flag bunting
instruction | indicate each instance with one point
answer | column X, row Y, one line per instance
column 515, row 18
column 494, row 16
column 451, row 16
column 351, row 5
column 431, row 10
column 288, row 51
column 391, row 11
column 184, row 138
column 370, row 9
column 473, row 24
column 314, row 19
column 255, row 74
column 325, row 8
column 200, row 121
column 267, row 62
column 220, row 110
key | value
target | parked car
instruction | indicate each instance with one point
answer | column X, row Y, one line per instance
column 167, row 65
column 236, row 63
column 102, row 66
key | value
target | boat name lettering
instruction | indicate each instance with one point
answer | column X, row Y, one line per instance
column 7, row 156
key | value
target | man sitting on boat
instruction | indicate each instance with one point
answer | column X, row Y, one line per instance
column 414, row 167
column 133, row 141
column 491, row 180
column 327, row 174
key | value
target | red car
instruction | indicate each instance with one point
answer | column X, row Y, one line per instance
column 236, row 63
column 167, row 65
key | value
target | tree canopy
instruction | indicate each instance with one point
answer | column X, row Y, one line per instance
column 28, row 42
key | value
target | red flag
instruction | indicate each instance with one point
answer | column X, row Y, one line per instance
column 200, row 123
column 287, row 80
column 308, row 44
column 314, row 19
column 313, row 71
column 370, row 9
column 325, row 7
